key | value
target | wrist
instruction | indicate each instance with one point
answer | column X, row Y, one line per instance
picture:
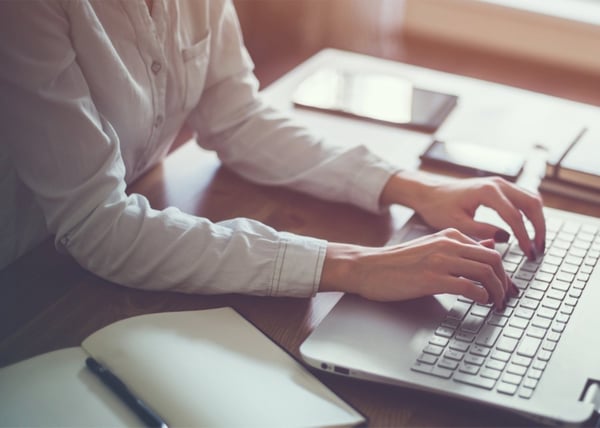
column 408, row 188
column 337, row 273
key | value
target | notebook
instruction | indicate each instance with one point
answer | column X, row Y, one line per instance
column 193, row 368
column 539, row 357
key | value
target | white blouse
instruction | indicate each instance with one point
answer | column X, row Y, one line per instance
column 93, row 93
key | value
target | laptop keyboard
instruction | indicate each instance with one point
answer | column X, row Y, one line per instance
column 508, row 351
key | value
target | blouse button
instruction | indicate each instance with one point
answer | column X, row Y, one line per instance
column 155, row 67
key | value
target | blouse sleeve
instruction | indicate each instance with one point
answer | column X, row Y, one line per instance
column 68, row 155
column 265, row 146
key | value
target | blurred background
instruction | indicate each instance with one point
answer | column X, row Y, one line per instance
column 548, row 46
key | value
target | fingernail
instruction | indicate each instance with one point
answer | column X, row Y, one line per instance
column 501, row 236
column 514, row 290
column 532, row 252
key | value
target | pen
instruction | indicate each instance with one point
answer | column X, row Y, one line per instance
column 144, row 412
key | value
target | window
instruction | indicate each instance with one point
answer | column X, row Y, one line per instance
column 562, row 32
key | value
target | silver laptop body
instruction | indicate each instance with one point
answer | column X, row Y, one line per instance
column 553, row 373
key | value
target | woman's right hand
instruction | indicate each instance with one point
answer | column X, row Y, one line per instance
column 444, row 262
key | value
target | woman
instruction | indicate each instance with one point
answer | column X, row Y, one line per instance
column 93, row 94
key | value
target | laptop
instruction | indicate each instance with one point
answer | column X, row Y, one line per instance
column 539, row 357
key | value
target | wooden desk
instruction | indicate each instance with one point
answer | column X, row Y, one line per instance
column 47, row 302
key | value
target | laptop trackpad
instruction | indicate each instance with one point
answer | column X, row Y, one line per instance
column 378, row 338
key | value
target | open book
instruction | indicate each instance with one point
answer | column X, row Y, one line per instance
column 199, row 368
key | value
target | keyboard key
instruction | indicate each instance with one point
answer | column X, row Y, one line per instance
column 549, row 268
column 506, row 344
column 433, row 370
column 521, row 361
column 536, row 332
column 468, row 368
column 570, row 301
column 569, row 268
column 550, row 303
column 541, row 322
column 448, row 364
column 473, row 380
column 556, row 294
column 534, row 294
column 564, row 276
column 495, row 364
column 558, row 327
column 497, row 320
column 525, row 392
column 444, row 332
column 454, row 355
column 490, row 373
column 464, row 337
column 534, row 373
column 480, row 350
column 546, row 313
column 521, row 283
column 544, row 355
column 475, row 360
column 512, row 378
column 500, row 355
column 560, row 285
column 459, row 346
column 522, row 312
column 516, row 370
column 528, row 346
column 529, row 303
column 439, row 341
column 539, row 285
column 507, row 388
column 553, row 336
column 549, row 345
column 544, row 276
column 513, row 332
column 472, row 323
column 523, row 274
column 481, row 311
column 530, row 383
column 433, row 350
column 458, row 310
column 488, row 335
column 427, row 359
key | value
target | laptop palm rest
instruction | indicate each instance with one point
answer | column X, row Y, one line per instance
column 375, row 338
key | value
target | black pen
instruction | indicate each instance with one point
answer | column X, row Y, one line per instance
column 144, row 412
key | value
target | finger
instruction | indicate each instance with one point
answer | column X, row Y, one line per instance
column 485, row 275
column 484, row 230
column 487, row 255
column 531, row 204
column 464, row 287
column 488, row 243
column 498, row 201
column 466, row 247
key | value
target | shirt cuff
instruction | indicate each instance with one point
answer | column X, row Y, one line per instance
column 368, row 182
column 298, row 266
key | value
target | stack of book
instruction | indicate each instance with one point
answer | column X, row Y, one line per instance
column 576, row 172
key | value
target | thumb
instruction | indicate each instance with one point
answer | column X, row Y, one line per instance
column 485, row 231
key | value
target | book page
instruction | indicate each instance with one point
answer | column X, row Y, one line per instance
column 57, row 390
column 214, row 368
